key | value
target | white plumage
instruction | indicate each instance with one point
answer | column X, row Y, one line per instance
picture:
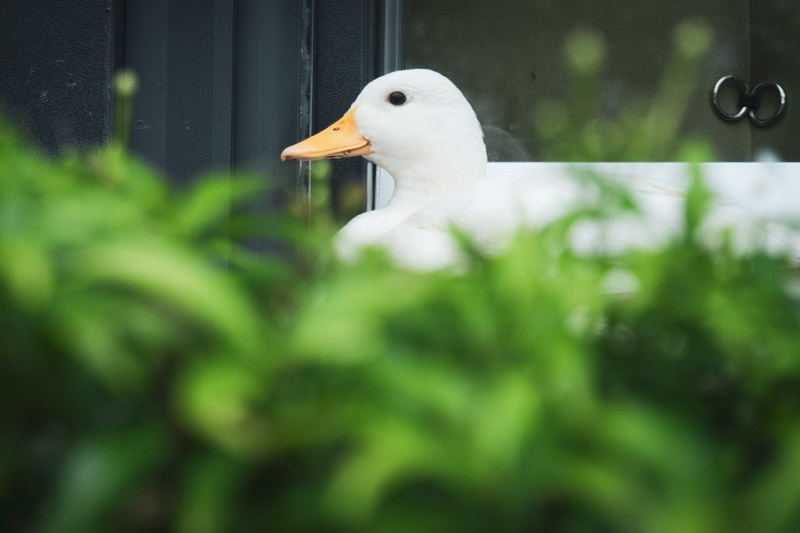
column 432, row 145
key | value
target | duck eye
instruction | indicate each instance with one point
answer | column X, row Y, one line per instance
column 397, row 98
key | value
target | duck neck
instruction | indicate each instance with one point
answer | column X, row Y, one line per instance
column 418, row 183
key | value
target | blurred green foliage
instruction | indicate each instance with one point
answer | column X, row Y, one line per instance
column 157, row 375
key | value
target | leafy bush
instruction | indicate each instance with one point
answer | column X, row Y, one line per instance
column 156, row 374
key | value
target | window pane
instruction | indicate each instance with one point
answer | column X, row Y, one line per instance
column 580, row 79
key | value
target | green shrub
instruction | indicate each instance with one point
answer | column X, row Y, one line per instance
column 157, row 375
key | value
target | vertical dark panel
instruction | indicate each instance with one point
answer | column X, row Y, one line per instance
column 189, row 89
column 305, row 91
column 345, row 44
column 222, row 83
column 146, row 46
column 266, row 97
column 56, row 60
column 183, row 53
column 266, row 87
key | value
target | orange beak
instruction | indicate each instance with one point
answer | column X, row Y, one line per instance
column 341, row 139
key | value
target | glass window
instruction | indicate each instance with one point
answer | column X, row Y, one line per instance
column 560, row 80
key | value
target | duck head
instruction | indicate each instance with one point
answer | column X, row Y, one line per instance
column 416, row 125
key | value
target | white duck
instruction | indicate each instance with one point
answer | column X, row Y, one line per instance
column 418, row 126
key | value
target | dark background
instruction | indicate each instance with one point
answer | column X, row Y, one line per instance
column 223, row 84
column 227, row 84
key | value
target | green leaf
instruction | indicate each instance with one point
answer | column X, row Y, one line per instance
column 100, row 474
column 175, row 278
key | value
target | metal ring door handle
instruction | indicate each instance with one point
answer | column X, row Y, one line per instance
column 749, row 101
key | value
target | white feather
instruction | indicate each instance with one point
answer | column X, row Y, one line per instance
column 433, row 147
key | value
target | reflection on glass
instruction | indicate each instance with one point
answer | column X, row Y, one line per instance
column 521, row 67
